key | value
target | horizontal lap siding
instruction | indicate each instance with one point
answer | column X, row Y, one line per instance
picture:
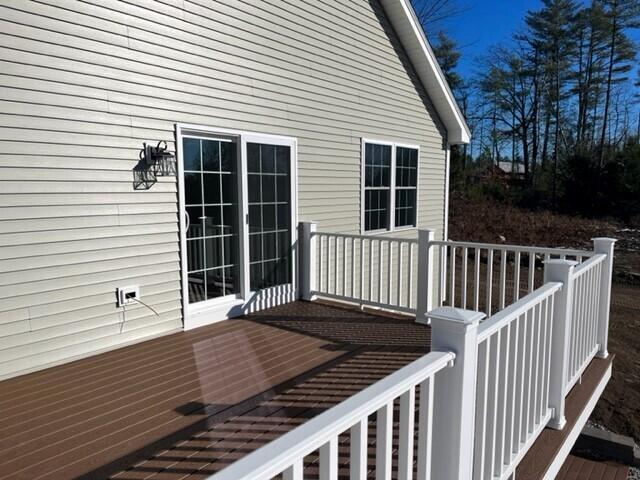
column 84, row 83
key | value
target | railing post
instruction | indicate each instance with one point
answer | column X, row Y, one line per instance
column 425, row 274
column 560, row 271
column 307, row 262
column 604, row 245
column 456, row 330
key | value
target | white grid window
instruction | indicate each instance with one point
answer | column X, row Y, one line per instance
column 390, row 184
column 377, row 186
column 406, row 186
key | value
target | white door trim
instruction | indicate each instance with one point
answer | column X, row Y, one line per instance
column 207, row 312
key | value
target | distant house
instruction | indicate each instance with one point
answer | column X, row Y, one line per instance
column 242, row 207
column 508, row 167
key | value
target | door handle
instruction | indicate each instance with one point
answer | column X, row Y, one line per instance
column 188, row 220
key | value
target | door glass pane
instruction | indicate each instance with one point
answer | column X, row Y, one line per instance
column 269, row 170
column 211, row 195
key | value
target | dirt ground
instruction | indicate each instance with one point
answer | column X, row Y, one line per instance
column 619, row 408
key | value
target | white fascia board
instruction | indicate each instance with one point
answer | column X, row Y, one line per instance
column 415, row 43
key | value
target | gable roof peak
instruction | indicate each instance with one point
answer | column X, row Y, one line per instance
column 415, row 43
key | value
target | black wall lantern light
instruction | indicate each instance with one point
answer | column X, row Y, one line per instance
column 154, row 162
column 159, row 160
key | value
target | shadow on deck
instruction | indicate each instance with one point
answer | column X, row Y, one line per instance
column 188, row 404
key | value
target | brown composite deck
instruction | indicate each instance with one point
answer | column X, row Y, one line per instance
column 537, row 460
column 577, row 468
column 187, row 404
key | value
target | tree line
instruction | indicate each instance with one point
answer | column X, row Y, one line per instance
column 558, row 103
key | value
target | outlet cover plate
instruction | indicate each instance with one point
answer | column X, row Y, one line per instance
column 128, row 295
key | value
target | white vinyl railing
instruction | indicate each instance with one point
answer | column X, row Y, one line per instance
column 512, row 393
column 508, row 378
column 372, row 270
column 583, row 335
column 488, row 277
column 286, row 455
column 416, row 275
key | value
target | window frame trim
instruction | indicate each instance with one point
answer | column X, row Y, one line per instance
column 392, row 187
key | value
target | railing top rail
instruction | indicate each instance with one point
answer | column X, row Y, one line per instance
column 366, row 237
column 276, row 456
column 589, row 264
column 516, row 248
column 503, row 317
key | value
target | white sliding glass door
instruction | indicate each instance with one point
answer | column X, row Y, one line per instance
column 237, row 209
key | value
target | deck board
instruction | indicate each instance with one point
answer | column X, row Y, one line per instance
column 190, row 403
column 578, row 468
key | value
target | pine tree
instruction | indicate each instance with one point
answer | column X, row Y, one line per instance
column 551, row 31
column 621, row 15
column 591, row 27
column 447, row 54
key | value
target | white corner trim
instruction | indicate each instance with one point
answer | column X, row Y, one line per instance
column 447, row 187
column 570, row 441
column 415, row 43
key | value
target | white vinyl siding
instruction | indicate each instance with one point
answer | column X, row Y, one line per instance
column 84, row 84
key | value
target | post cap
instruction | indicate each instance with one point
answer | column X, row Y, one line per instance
column 560, row 261
column 457, row 315
column 605, row 239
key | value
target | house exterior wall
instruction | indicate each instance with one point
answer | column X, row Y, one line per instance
column 84, row 84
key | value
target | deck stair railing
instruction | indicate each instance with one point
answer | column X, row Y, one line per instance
column 477, row 402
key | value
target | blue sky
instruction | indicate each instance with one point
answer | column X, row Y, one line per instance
column 486, row 23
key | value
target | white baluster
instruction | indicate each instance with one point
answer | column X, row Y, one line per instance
column 329, row 460
column 362, row 269
column 516, row 277
column 452, row 287
column 503, row 278
column 425, row 430
column 335, row 265
column 389, row 270
column 384, row 437
column 344, row 266
column 489, row 299
column 463, row 278
column 406, row 433
column 353, row 268
column 476, row 280
column 481, row 410
column 410, row 276
column 399, row 276
column 380, row 246
column 370, row 270
column 358, row 451
column 294, row 472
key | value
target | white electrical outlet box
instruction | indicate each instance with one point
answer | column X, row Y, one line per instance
column 127, row 295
